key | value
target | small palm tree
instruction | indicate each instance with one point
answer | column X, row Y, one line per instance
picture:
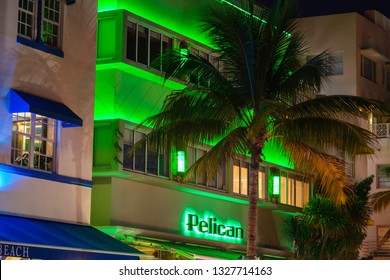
column 264, row 95
column 326, row 230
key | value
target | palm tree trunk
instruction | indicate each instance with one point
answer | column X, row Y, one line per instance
column 252, row 209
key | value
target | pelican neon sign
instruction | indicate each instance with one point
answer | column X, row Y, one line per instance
column 211, row 227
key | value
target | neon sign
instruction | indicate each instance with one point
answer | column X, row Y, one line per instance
column 211, row 227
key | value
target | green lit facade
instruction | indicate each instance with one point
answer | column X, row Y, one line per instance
column 143, row 198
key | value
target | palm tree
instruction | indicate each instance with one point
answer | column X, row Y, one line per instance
column 326, row 230
column 264, row 94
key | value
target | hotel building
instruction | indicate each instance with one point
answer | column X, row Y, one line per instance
column 359, row 46
column 141, row 199
column 47, row 81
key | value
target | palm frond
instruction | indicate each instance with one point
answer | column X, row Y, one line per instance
column 326, row 133
column 328, row 170
column 339, row 106
column 380, row 200
column 231, row 146
column 386, row 171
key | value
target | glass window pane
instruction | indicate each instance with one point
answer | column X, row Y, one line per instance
column 152, row 164
column 139, row 153
column 190, row 161
column 299, row 193
column 143, row 48
column 202, row 175
column 236, row 178
column 291, row 192
column 131, row 41
column 155, row 49
column 283, row 189
column 163, row 163
column 244, row 178
column 261, row 180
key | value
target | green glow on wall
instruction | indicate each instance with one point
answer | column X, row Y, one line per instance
column 138, row 72
column 275, row 154
column 276, row 185
column 208, row 225
column 181, row 161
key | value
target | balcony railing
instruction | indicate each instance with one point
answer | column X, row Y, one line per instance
column 381, row 130
column 374, row 249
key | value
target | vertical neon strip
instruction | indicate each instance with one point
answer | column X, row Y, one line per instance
column 276, row 185
column 181, row 160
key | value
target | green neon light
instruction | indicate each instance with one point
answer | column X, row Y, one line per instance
column 140, row 73
column 181, row 161
column 209, row 226
column 276, row 185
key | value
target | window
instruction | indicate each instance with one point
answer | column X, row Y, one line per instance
column 368, row 68
column 383, row 175
column 261, row 179
column 337, row 61
column 144, row 45
column 293, row 189
column 382, row 231
column 145, row 158
column 240, row 177
column 201, row 177
column 33, row 141
column 39, row 21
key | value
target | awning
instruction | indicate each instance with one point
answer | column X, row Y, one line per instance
column 20, row 102
column 49, row 240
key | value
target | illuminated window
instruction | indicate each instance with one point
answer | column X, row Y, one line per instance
column 145, row 158
column 240, row 177
column 40, row 20
column 294, row 189
column 368, row 69
column 261, row 179
column 201, row 177
column 33, row 141
column 144, row 45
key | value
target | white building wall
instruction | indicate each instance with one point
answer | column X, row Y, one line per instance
column 68, row 80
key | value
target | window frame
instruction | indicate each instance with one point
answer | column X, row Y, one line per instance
column 32, row 121
column 381, row 178
column 164, row 37
column 217, row 182
column 243, row 189
column 372, row 74
column 133, row 167
column 39, row 21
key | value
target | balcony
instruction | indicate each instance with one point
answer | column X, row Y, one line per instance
column 372, row 249
column 381, row 130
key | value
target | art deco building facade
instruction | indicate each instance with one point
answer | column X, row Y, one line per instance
column 141, row 198
column 47, row 74
column 359, row 46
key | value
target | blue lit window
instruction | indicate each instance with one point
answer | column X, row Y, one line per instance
column 39, row 25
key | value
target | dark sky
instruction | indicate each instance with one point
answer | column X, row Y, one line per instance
column 323, row 7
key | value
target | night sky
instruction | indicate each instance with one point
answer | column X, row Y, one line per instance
column 324, row 7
